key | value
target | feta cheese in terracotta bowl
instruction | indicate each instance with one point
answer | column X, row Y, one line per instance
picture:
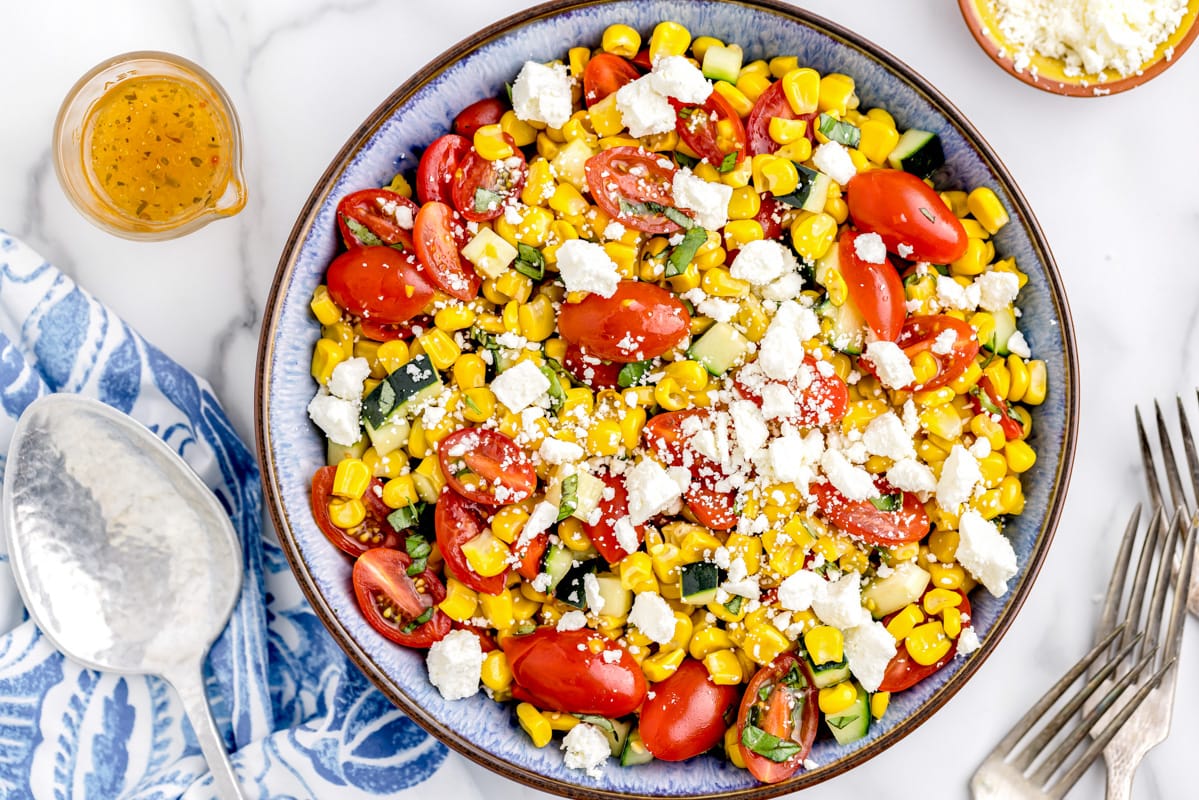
column 717, row 371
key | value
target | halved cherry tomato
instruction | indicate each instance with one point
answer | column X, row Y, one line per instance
column 604, row 74
column 642, row 59
column 895, row 518
column 457, row 521
column 435, row 170
column 712, row 509
column 634, row 187
column 772, row 103
column 912, row 219
column 780, row 702
column 436, row 238
column 904, row 673
column 984, row 398
column 687, row 714
column 579, row 672
column 386, row 332
column 820, row 399
column 373, row 531
column 664, row 435
column 875, row 289
column 482, row 188
column 392, row 602
column 589, row 370
column 639, row 321
column 698, row 127
column 479, row 113
column 530, row 557
column 919, row 334
column 381, row 283
column 612, row 508
column 486, row 467
column 376, row 216
column 770, row 216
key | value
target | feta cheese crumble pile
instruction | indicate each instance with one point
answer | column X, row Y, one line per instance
column 648, row 395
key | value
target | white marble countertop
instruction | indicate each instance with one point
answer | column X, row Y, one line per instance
column 1113, row 182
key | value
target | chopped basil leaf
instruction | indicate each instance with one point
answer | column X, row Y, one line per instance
column 629, row 209
column 684, row 160
column 486, row 200
column 768, row 745
column 888, row 502
column 840, row 722
column 730, row 161
column 421, row 620
column 928, row 215
column 839, row 131
column 985, row 402
column 417, row 566
column 678, row 217
column 570, row 496
column 508, row 91
column 687, row 111
column 734, row 603
column 529, row 262
column 365, row 236
column 471, row 404
column 685, row 250
column 631, row 374
column 417, row 547
column 405, row 517
column 556, row 393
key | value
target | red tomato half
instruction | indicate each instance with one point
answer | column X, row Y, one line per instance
column 381, row 332
column 530, row 558
column 603, row 533
column 482, row 188
column 570, row 671
column 435, row 170
column 457, row 521
column 698, row 128
column 772, row 103
column 712, row 509
column 919, row 334
column 639, row 321
column 770, row 216
column 823, row 399
column 632, row 186
column 875, row 289
column 479, row 113
column 436, row 238
column 780, row 701
column 380, row 283
column 907, row 522
column 486, row 467
column 904, row 673
column 664, row 435
column 391, row 601
column 907, row 213
column 589, row 370
column 373, row 531
column 687, row 714
column 984, row 398
column 604, row 74
column 376, row 216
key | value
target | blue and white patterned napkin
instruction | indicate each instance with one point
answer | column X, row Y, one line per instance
column 300, row 719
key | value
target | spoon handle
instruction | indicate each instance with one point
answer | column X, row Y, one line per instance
column 189, row 683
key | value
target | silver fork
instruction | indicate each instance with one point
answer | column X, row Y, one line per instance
column 1099, row 708
column 1173, row 478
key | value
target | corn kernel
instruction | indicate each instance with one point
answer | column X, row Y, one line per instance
column 668, row 39
column 347, row 513
column 351, row 478
column 732, row 747
column 441, row 349
column 946, row 576
column 323, row 307
column 724, row 668
column 927, row 644
column 813, row 235
column 752, row 84
column 460, row 602
column 718, row 282
column 491, row 143
column 878, row 704
column 802, row 88
column 1034, row 395
column 534, row 723
column 987, row 209
column 326, row 355
column 905, row 621
column 837, row 698
column 496, row 673
column 1020, row 457
column 662, row 665
column 745, row 203
column 786, row 131
column 825, row 644
column 735, row 97
column 836, row 93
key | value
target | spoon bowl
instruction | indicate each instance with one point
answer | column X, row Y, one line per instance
column 126, row 561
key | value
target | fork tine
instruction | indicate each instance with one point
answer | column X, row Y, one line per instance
column 1155, row 495
column 1172, row 477
column 1055, row 692
column 1055, row 759
column 1115, row 587
column 1132, row 615
column 1161, row 587
column 1070, row 777
column 1178, row 612
column 1188, row 447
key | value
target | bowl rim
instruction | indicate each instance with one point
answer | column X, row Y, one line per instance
column 286, row 268
column 974, row 23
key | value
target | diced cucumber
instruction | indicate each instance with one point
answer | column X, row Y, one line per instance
column 571, row 589
column 719, row 348
column 846, row 330
column 1005, row 326
column 616, row 731
column 389, row 436
column 904, row 585
column 635, row 751
column 558, row 561
column 830, row 674
column 401, row 391
column 918, row 152
column 803, row 189
column 836, row 130
column 617, row 599
column 576, row 492
column 723, row 63
column 698, row 582
column 334, row 452
column 854, row 722
column 568, row 163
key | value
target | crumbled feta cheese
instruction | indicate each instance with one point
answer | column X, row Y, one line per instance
column 981, row 448
column 839, row 603
column 853, row 482
column 891, row 364
column 951, row 294
column 347, row 378
column 787, row 287
column 675, row 76
column 968, row 641
column 572, row 621
column 869, row 648
column 870, row 248
column 557, row 451
column 654, row 617
column 455, row 664
column 708, row 199
column 781, row 351
column 885, row 436
column 586, row 748
column 541, row 93
column 763, row 261
column 959, row 475
column 626, row 535
column 778, row 401
column 798, row 590
column 614, row 230
column 651, row 490
column 833, row 160
column 985, row 552
column 945, row 342
column 338, row 418
column 643, row 110
column 793, row 455
column 910, row 475
column 1017, row 344
column 540, row 519
column 520, row 386
column 718, row 309
column 586, row 267
column 749, row 426
column 591, row 591
column 997, row 290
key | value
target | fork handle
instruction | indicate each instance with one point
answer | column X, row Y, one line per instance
column 1119, row 779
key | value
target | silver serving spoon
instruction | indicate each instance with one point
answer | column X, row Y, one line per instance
column 124, row 558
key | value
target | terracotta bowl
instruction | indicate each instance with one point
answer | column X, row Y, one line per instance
column 291, row 448
column 1048, row 74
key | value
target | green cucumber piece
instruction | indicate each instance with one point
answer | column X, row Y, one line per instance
column 836, row 130
column 389, row 436
column 401, row 391
column 558, row 561
column 719, row 348
column 905, row 584
column 618, row 601
column 334, row 452
column 723, row 63
column 918, row 152
column 1005, row 326
column 698, row 582
column 616, row 731
column 635, row 751
column 830, row 674
column 854, row 722
column 847, row 327
column 571, row 589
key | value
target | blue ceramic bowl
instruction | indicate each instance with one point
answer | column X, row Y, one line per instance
column 290, row 448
